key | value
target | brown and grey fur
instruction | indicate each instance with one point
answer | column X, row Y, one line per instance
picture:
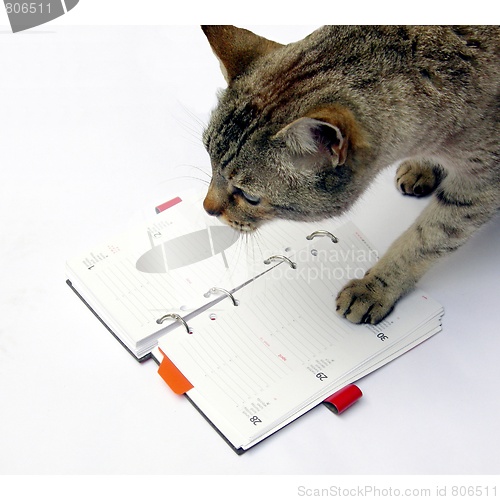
column 302, row 129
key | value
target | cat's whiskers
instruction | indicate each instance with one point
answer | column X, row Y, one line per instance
column 194, row 125
column 241, row 247
column 204, row 172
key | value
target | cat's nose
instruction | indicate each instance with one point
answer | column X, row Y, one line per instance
column 211, row 207
column 213, row 211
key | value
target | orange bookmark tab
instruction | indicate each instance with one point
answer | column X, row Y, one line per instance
column 173, row 376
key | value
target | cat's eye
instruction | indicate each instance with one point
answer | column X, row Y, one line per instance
column 253, row 200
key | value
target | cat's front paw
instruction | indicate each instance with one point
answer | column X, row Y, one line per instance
column 417, row 178
column 365, row 300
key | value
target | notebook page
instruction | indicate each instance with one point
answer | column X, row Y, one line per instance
column 134, row 277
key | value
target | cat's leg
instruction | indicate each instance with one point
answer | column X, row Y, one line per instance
column 459, row 207
column 418, row 177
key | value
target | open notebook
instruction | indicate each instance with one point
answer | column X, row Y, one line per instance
column 244, row 325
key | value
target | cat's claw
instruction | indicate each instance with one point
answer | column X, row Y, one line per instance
column 365, row 300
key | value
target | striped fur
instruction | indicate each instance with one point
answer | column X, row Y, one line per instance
column 302, row 129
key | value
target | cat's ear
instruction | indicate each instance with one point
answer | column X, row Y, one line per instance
column 236, row 48
column 315, row 143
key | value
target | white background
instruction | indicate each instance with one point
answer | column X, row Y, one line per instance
column 98, row 124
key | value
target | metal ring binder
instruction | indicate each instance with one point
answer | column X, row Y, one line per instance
column 322, row 232
column 281, row 257
column 224, row 291
column 174, row 316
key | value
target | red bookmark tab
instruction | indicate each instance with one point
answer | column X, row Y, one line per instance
column 167, row 204
column 343, row 399
column 173, row 376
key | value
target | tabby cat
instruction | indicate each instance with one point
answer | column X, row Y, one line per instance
column 302, row 129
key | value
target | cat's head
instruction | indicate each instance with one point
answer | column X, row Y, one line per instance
column 278, row 149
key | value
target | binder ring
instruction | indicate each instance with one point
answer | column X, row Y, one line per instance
column 282, row 258
column 225, row 292
column 322, row 232
column 173, row 316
